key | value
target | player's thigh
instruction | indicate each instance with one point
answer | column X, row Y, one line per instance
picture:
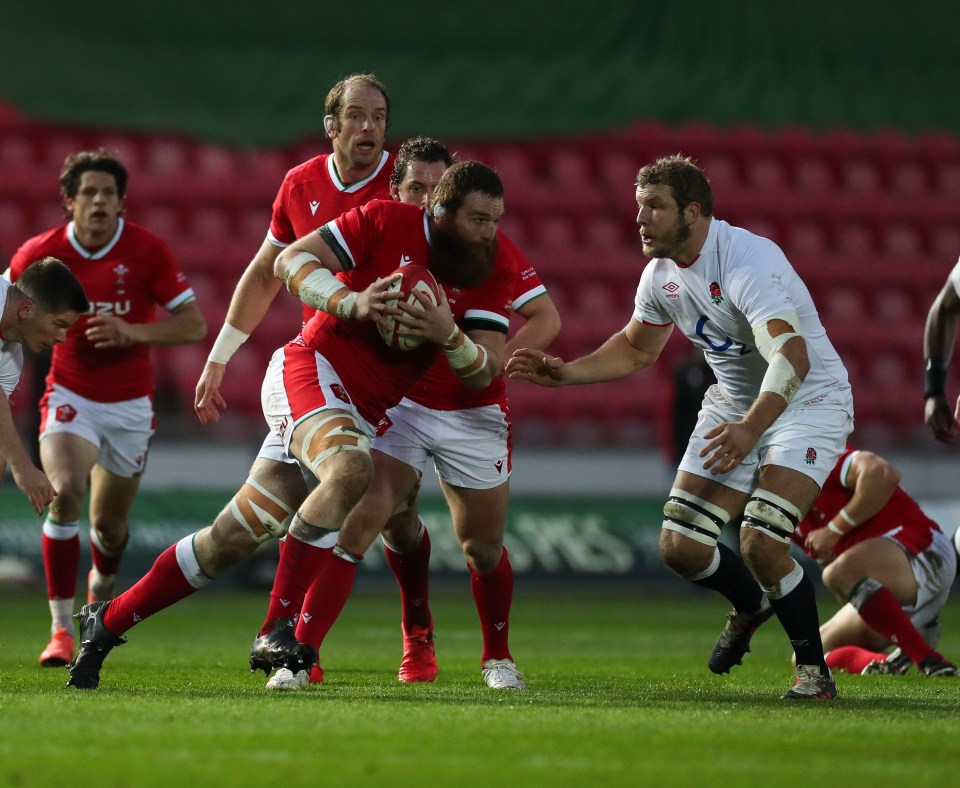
column 846, row 628
column 67, row 458
column 479, row 515
column 881, row 559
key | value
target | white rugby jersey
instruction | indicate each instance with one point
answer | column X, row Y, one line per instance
column 955, row 277
column 11, row 353
column 738, row 280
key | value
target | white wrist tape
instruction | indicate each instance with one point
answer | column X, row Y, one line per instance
column 464, row 353
column 317, row 289
column 831, row 526
column 227, row 343
column 847, row 518
column 781, row 378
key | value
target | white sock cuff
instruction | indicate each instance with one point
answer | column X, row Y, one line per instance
column 787, row 583
column 60, row 531
column 188, row 563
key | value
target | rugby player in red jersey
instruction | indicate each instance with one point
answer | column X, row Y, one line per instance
column 97, row 415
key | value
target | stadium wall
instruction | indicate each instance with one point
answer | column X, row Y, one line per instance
column 256, row 76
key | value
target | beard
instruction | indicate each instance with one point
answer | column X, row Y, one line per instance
column 673, row 241
column 460, row 263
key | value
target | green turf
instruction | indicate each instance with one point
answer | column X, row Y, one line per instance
column 619, row 695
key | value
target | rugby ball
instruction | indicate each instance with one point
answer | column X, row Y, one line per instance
column 412, row 278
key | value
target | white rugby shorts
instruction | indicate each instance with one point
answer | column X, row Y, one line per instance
column 807, row 440
column 470, row 448
column 934, row 570
column 299, row 383
column 120, row 430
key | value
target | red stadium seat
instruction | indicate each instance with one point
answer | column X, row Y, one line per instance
column 855, row 240
column 908, row 178
column 860, row 176
column 813, row 175
column 902, row 240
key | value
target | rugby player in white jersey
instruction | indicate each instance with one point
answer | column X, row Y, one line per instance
column 769, row 432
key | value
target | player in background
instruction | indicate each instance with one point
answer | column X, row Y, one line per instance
column 768, row 433
column 96, row 415
column 324, row 405
column 35, row 313
column 467, row 435
column 887, row 561
column 939, row 337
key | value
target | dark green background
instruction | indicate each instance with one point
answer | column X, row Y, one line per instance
column 255, row 74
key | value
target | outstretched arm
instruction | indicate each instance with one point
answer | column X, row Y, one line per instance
column 634, row 348
column 939, row 337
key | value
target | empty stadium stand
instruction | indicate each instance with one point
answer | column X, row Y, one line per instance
column 871, row 221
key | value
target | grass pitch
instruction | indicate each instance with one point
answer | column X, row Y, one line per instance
column 619, row 695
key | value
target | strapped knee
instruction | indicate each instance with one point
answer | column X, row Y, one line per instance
column 261, row 513
column 865, row 588
column 333, row 433
column 694, row 517
column 772, row 515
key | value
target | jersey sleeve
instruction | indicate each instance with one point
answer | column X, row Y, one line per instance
column 527, row 285
column 491, row 309
column 646, row 308
column 759, row 282
column 168, row 285
column 353, row 234
column 281, row 231
column 21, row 259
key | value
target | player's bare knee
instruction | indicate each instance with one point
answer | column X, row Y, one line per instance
column 482, row 555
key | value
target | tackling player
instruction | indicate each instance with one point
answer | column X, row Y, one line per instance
column 768, row 433
column 884, row 558
column 96, row 416
column 466, row 434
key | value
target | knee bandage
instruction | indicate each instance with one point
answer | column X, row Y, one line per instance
column 261, row 513
column 333, row 432
column 774, row 516
column 694, row 517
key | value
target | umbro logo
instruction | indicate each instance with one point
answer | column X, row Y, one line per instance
column 405, row 260
column 314, row 204
column 672, row 288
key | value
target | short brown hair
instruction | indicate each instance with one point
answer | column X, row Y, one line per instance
column 463, row 178
column 99, row 160
column 425, row 149
column 334, row 103
column 52, row 287
column 685, row 179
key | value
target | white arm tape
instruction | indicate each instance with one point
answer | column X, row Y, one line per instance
column 227, row 343
column 319, row 286
column 769, row 345
column 781, row 378
column 299, row 260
